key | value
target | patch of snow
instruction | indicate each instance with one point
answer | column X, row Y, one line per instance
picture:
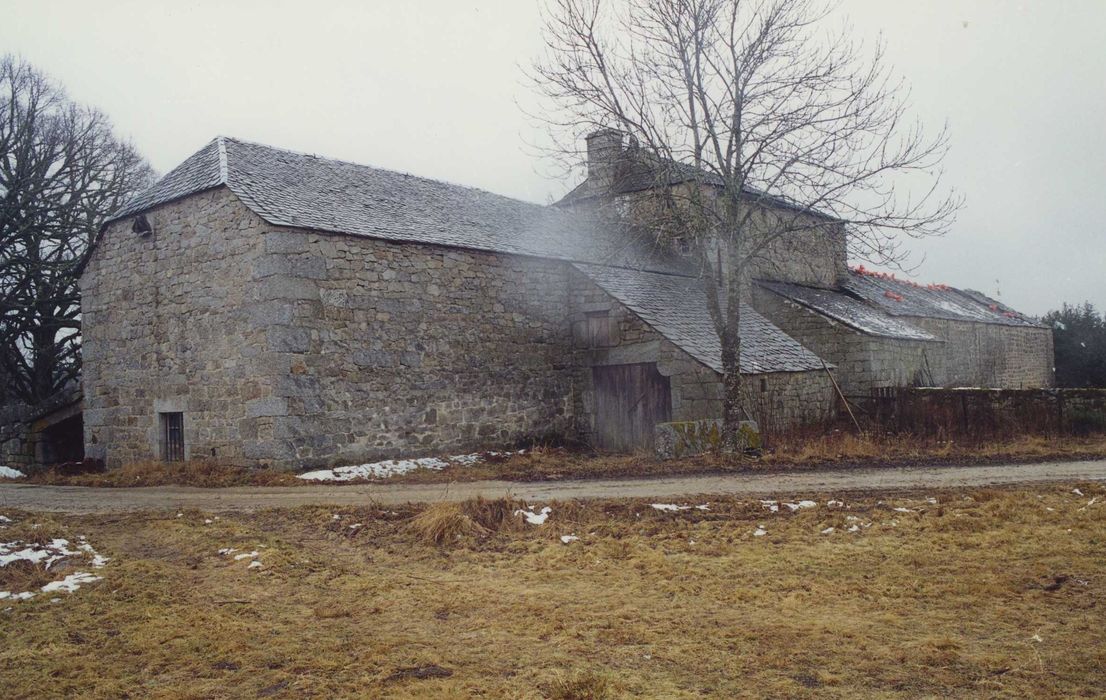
column 760, row 531
column 835, row 504
column 705, row 506
column 9, row 473
column 395, row 467
column 208, row 521
column 1077, row 492
column 801, row 504
column 854, row 528
column 903, row 510
column 356, row 526
column 827, row 531
column 255, row 564
column 227, row 550
column 5, row 519
column 70, row 583
column 567, row 539
column 47, row 555
column 535, row 518
column 246, row 555
column 335, row 517
column 772, row 506
column 669, row 506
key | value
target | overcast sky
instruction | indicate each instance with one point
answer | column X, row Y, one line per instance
column 432, row 88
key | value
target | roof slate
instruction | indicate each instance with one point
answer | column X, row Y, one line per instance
column 287, row 188
column 901, row 298
column 849, row 310
column 676, row 307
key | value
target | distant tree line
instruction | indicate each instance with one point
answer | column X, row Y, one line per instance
column 1079, row 335
column 62, row 171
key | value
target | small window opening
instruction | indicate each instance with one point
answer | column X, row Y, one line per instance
column 599, row 329
column 172, row 437
column 763, row 385
column 141, row 225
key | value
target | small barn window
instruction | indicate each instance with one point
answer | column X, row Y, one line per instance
column 141, row 225
column 172, row 437
column 763, row 385
column 599, row 329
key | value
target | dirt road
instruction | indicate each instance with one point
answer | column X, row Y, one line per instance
column 76, row 499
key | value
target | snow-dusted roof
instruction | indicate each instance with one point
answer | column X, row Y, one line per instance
column 676, row 307
column 848, row 310
column 902, row 298
column 287, row 188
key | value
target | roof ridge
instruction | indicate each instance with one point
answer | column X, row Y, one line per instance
column 224, row 164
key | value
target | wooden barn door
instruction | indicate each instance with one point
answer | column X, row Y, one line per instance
column 629, row 401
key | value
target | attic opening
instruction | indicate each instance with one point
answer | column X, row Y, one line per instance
column 141, row 226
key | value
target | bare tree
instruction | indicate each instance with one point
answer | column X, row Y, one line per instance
column 776, row 129
column 62, row 171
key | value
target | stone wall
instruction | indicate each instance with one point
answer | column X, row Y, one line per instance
column 778, row 400
column 382, row 349
column 993, row 355
column 172, row 324
column 862, row 362
column 968, row 354
column 296, row 349
column 813, row 253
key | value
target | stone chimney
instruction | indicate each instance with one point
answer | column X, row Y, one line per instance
column 604, row 151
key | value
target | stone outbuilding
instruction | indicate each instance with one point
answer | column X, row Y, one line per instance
column 261, row 306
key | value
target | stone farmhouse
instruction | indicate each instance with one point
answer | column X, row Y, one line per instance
column 260, row 306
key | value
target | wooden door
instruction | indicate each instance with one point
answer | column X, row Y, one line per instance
column 629, row 401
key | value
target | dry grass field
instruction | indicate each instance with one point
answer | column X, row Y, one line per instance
column 813, row 451
column 965, row 593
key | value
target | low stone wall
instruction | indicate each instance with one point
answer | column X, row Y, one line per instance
column 988, row 412
column 688, row 438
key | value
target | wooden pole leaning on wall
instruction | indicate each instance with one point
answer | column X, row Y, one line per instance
column 843, row 399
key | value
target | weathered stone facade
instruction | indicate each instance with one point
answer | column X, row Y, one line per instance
column 861, row 361
column 963, row 353
column 991, row 355
column 382, row 349
column 172, row 323
column 299, row 312
column 300, row 349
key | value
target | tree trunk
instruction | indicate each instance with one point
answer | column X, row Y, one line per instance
column 733, row 408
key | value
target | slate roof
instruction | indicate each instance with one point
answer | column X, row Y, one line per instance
column 847, row 309
column 287, row 188
column 901, row 298
column 676, row 307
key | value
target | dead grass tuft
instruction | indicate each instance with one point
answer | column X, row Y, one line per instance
column 153, row 473
column 579, row 685
column 476, row 519
column 444, row 523
column 22, row 575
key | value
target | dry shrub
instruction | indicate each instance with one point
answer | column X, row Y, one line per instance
column 475, row 519
column 581, row 685
column 22, row 575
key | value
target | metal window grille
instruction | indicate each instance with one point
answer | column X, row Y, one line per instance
column 172, row 437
